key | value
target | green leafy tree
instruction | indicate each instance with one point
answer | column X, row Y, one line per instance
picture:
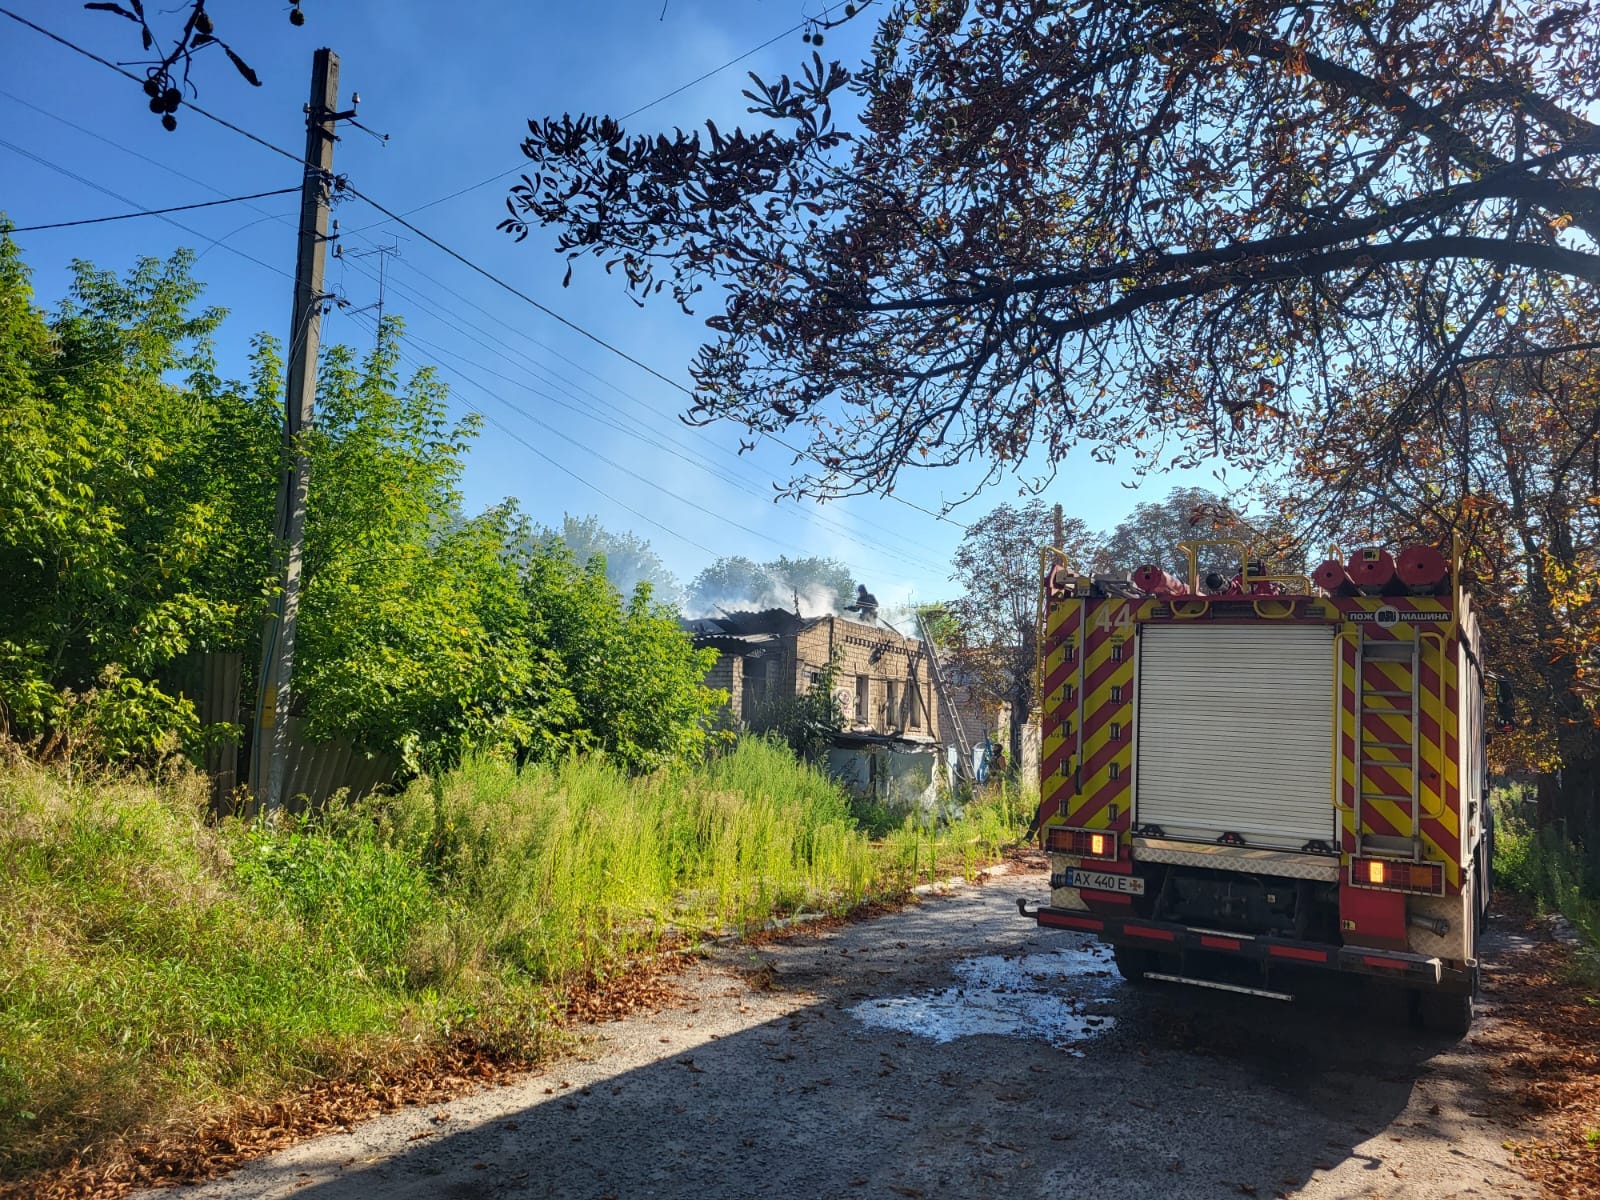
column 807, row 722
column 626, row 678
column 136, row 495
column 1151, row 534
column 821, row 585
column 996, row 618
column 135, row 501
column 413, row 633
column 629, row 559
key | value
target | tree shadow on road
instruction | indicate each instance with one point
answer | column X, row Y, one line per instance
column 1176, row 1092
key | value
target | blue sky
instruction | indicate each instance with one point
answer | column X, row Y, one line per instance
column 454, row 85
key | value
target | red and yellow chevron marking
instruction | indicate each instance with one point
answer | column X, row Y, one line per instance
column 1090, row 658
column 1058, row 707
column 1347, row 749
column 1376, row 760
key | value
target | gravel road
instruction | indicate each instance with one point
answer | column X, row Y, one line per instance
column 949, row 1050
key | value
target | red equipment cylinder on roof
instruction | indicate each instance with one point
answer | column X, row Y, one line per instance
column 1330, row 576
column 1421, row 567
column 1153, row 580
column 1370, row 569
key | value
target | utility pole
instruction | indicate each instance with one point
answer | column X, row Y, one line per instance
column 269, row 759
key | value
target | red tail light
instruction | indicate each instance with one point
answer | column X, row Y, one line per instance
column 1394, row 876
column 1086, row 843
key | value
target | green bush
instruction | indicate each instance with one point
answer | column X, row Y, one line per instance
column 1514, row 846
column 1546, row 866
column 136, row 981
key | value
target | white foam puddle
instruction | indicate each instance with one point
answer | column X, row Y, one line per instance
column 1059, row 998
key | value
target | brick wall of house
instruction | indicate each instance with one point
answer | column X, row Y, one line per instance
column 871, row 659
column 728, row 675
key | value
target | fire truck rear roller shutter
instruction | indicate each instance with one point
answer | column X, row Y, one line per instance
column 1235, row 732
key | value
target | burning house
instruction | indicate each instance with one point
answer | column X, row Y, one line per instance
column 883, row 686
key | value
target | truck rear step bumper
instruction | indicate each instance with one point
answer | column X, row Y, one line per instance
column 1413, row 970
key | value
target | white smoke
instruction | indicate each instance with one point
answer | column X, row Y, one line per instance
column 815, row 600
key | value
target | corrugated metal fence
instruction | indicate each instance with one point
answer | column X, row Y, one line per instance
column 212, row 681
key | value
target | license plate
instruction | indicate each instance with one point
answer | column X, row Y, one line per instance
column 1105, row 881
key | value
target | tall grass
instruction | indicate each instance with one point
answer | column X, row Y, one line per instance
column 137, row 976
column 152, row 964
column 1544, row 864
column 967, row 836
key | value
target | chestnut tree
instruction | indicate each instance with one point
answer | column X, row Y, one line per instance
column 1160, row 228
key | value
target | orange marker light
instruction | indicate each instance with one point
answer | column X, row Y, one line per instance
column 1375, row 872
column 1097, row 843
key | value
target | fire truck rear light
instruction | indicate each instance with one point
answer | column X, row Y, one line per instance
column 1396, row 876
column 1086, row 843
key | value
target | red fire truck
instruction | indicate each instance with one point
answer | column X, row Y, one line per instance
column 1270, row 771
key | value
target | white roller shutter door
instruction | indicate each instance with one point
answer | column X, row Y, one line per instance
column 1235, row 728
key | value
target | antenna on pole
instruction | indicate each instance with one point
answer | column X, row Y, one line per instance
column 384, row 254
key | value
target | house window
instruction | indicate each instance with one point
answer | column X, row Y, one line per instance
column 1116, row 693
column 863, row 693
column 914, row 704
column 891, row 716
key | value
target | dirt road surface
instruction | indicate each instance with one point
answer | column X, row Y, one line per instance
column 949, row 1050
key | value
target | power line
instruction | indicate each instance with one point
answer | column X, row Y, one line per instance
column 437, row 244
column 655, row 438
column 619, row 467
column 105, row 191
column 152, row 212
column 129, row 75
column 516, row 291
column 410, row 265
column 596, row 338
column 558, row 464
column 661, row 99
column 119, row 146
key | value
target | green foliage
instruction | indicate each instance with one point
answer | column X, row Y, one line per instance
column 138, row 981
column 1151, row 534
column 996, row 617
column 628, row 558
column 414, row 626
column 1514, row 845
column 806, row 722
column 734, row 583
column 624, row 676
column 135, row 491
column 1545, row 865
column 957, row 841
column 152, row 964
column 365, row 899
column 136, row 509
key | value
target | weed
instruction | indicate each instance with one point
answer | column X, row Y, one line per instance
column 1544, row 864
column 154, row 966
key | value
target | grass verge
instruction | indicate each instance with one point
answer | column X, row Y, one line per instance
column 1544, row 865
column 157, row 971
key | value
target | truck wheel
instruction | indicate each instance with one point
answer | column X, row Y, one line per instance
column 1447, row 1012
column 1132, row 962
